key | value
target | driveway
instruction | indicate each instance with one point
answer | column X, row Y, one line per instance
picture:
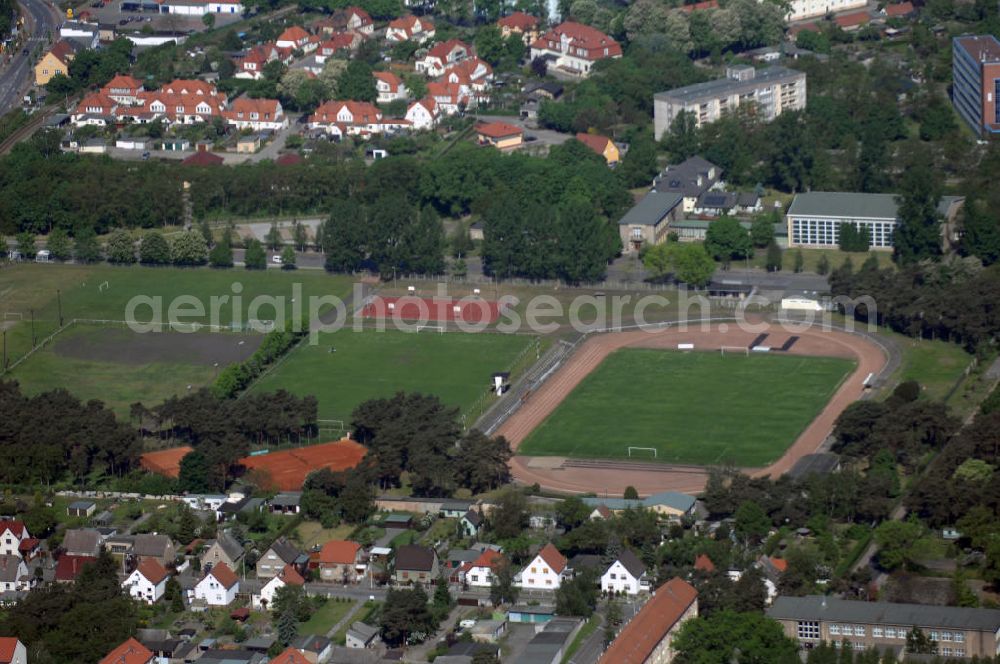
column 532, row 136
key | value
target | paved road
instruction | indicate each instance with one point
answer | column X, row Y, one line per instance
column 40, row 23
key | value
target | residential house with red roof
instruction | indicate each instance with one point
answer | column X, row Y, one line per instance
column 256, row 114
column 347, row 118
column 648, row 637
column 500, row 135
column 474, row 77
column 123, row 89
column 389, row 86
column 12, row 651
column 519, row 23
column 96, row 108
column 481, row 570
column 898, row 10
column 338, row 41
column 56, row 61
column 338, row 561
column 348, row 18
column 546, row 570
column 69, row 567
column 291, row 656
column 180, row 102
column 251, row 65
column 442, row 55
column 12, row 533
column 574, row 47
column 409, row 28
column 450, row 98
column 147, row 582
column 293, row 37
column 703, row 563
column 602, row 145
column 852, row 21
column 219, row 586
column 288, row 576
column 130, row 652
column 423, row 113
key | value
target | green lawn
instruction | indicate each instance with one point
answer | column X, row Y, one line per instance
column 936, row 365
column 31, row 286
column 698, row 408
column 455, row 366
column 325, row 617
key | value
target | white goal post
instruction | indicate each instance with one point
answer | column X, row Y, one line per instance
column 103, row 287
column 13, row 315
column 431, row 328
column 647, row 449
column 737, row 350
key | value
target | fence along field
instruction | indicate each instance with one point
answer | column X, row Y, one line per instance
column 701, row 408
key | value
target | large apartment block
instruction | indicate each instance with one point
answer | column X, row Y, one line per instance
column 975, row 66
column 958, row 631
column 800, row 9
column 771, row 91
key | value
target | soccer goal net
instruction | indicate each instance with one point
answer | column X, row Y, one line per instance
column 735, row 350
column 641, row 452
column 431, row 328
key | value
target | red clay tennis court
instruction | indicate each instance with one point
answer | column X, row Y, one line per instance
column 432, row 310
column 164, row 462
column 288, row 468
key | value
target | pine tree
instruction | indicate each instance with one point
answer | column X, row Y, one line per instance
column 287, row 626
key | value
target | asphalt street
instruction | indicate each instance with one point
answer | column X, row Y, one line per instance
column 41, row 23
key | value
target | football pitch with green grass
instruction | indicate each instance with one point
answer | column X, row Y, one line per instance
column 694, row 408
column 346, row 368
column 102, row 292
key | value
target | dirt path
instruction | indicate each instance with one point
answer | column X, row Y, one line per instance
column 611, row 476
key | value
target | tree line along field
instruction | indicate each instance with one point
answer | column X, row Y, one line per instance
column 694, row 408
column 346, row 368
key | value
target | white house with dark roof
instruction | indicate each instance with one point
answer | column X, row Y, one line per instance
column 626, row 575
column 691, row 179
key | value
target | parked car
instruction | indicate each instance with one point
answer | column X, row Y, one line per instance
column 276, row 259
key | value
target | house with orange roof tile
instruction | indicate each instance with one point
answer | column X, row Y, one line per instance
column 346, row 19
column 409, row 28
column 703, row 563
column 256, row 114
column 574, row 47
column 519, row 23
column 147, row 582
column 123, row 89
column 648, row 637
column 12, row 533
column 251, row 64
column 292, row 37
column 338, row 560
column 130, row 652
column 56, row 61
column 449, row 97
column 94, row 109
column 500, row 135
column 600, row 512
column 347, row 118
column 12, row 651
column 852, row 21
column 546, row 570
column 338, row 41
column 291, row 656
column 218, row 587
column 389, row 86
column 442, row 55
column 481, row 570
column 423, row 113
column 602, row 145
column 898, row 10
column 288, row 576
